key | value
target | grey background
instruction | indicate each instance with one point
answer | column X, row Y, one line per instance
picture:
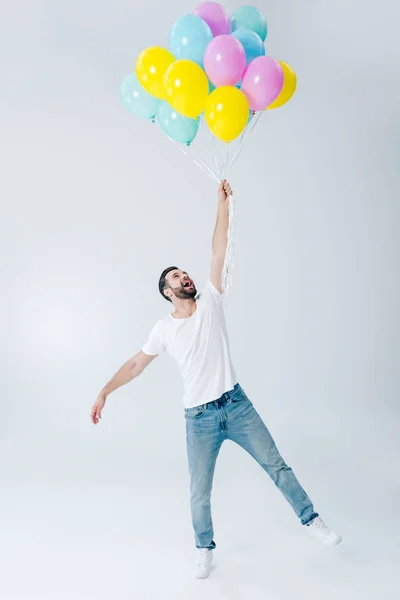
column 95, row 203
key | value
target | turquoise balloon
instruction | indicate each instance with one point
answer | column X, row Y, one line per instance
column 249, row 17
column 179, row 128
column 189, row 38
column 135, row 98
column 251, row 42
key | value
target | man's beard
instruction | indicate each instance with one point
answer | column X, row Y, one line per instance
column 185, row 294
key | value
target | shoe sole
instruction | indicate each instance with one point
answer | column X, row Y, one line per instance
column 325, row 543
column 197, row 576
column 335, row 543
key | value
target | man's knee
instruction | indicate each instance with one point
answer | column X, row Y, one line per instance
column 200, row 496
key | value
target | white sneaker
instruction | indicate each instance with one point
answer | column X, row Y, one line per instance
column 321, row 531
column 203, row 563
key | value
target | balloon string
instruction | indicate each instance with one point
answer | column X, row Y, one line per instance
column 226, row 160
column 227, row 274
column 244, row 136
column 215, row 154
column 227, row 279
column 200, row 163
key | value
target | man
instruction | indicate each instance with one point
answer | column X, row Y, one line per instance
column 216, row 407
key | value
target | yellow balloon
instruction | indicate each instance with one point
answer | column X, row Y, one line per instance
column 151, row 67
column 289, row 86
column 186, row 87
column 227, row 112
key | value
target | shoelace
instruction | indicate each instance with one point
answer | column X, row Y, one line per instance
column 320, row 525
column 203, row 558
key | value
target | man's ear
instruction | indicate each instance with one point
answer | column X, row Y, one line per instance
column 168, row 292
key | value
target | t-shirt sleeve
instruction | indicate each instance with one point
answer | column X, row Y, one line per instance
column 154, row 344
column 211, row 294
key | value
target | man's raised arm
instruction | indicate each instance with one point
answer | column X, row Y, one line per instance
column 220, row 238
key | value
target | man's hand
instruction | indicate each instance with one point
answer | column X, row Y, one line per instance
column 97, row 408
column 224, row 191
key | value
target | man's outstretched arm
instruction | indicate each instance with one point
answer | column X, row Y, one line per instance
column 131, row 369
column 220, row 238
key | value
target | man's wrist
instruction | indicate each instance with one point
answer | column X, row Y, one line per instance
column 223, row 206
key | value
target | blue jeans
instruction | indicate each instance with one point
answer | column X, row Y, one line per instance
column 233, row 417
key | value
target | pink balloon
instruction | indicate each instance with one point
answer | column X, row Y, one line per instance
column 262, row 82
column 215, row 16
column 224, row 60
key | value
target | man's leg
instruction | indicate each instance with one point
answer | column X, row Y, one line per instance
column 203, row 442
column 246, row 428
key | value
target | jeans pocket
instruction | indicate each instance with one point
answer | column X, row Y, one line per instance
column 195, row 411
column 238, row 395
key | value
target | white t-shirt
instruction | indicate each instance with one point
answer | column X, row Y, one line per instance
column 200, row 346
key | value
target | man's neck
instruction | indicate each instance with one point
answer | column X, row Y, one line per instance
column 184, row 309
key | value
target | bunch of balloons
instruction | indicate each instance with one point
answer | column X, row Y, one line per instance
column 216, row 66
